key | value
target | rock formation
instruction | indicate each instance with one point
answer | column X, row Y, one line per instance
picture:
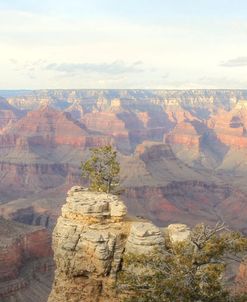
column 182, row 153
column 164, row 139
column 25, row 262
column 185, row 134
column 89, row 241
column 8, row 115
column 178, row 232
column 143, row 238
column 50, row 127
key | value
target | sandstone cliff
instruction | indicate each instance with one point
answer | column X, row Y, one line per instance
column 89, row 241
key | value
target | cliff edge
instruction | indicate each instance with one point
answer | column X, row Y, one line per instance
column 89, row 241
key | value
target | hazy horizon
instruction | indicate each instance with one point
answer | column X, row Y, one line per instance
column 119, row 89
column 123, row 45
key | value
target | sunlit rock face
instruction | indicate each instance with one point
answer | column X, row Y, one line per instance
column 89, row 241
column 178, row 232
column 143, row 238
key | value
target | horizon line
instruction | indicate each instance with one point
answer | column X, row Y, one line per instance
column 147, row 89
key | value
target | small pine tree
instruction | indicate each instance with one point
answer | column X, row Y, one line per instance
column 102, row 169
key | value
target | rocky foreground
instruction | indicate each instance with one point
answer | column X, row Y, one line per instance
column 89, row 241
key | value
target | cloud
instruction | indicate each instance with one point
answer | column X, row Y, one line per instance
column 237, row 62
column 30, row 68
column 114, row 68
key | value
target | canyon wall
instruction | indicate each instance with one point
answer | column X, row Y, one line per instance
column 162, row 137
column 25, row 262
column 182, row 154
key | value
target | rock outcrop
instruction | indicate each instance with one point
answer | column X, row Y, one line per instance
column 178, row 232
column 143, row 238
column 89, row 241
column 185, row 134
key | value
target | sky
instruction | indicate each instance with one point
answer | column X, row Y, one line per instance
column 158, row 44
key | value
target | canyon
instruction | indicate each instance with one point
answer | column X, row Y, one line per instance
column 182, row 154
column 193, row 141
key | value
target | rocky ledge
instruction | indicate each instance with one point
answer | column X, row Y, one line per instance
column 89, row 241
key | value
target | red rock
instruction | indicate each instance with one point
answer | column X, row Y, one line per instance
column 127, row 127
column 19, row 244
column 183, row 134
column 106, row 122
column 179, row 115
column 76, row 111
column 229, row 127
column 48, row 126
column 144, row 117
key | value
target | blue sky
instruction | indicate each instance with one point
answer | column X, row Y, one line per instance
column 123, row 44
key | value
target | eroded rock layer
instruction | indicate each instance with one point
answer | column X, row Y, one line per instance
column 89, row 241
column 163, row 138
column 25, row 263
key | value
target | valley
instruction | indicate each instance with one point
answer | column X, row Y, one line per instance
column 183, row 158
column 193, row 141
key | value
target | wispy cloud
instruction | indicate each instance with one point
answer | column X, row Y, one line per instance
column 113, row 68
column 30, row 68
column 236, row 62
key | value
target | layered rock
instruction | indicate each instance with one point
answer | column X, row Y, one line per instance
column 41, row 151
column 108, row 123
column 128, row 127
column 184, row 134
column 48, row 126
column 89, row 241
column 189, row 201
column 25, row 256
column 204, row 135
column 143, row 238
column 230, row 127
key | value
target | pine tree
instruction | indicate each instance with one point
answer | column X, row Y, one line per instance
column 102, row 169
